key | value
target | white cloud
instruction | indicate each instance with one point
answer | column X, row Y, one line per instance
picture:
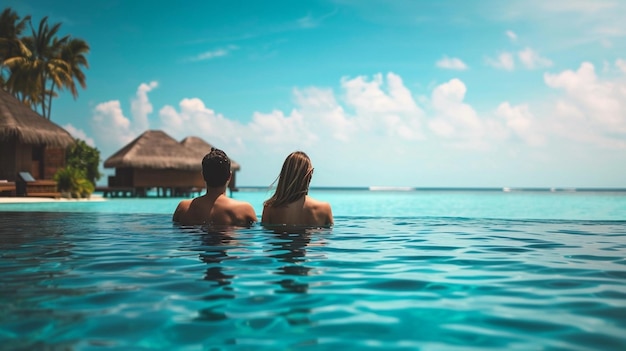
column 322, row 106
column 451, row 63
column 453, row 118
column 112, row 128
column 569, row 24
column 369, row 97
column 380, row 114
column 79, row 134
column 520, row 121
column 588, row 91
column 531, row 59
column 208, row 55
column 578, row 6
column 277, row 129
column 382, row 108
column 621, row 65
column 511, row 35
column 310, row 21
column 606, row 43
column 141, row 107
column 307, row 21
column 393, row 112
column 591, row 110
column 195, row 119
column 504, row 61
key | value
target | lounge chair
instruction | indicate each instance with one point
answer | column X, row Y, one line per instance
column 27, row 185
column 7, row 188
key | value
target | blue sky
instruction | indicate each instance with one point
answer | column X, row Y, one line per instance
column 387, row 93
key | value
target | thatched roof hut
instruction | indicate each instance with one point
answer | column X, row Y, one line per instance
column 201, row 148
column 154, row 149
column 27, row 126
column 29, row 142
column 156, row 160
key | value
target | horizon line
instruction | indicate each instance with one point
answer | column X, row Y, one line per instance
column 459, row 188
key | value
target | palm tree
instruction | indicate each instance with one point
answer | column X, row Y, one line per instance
column 22, row 81
column 45, row 64
column 73, row 54
column 11, row 28
column 34, row 68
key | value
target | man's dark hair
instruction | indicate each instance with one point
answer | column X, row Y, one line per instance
column 215, row 168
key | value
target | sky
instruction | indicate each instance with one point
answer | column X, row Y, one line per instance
column 398, row 93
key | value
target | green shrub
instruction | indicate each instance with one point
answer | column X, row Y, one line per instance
column 85, row 158
column 73, row 181
column 78, row 178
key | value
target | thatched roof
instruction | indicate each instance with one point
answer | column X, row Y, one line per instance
column 20, row 121
column 201, row 148
column 154, row 149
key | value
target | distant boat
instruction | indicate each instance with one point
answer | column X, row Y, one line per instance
column 391, row 188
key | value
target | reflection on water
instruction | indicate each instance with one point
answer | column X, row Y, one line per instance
column 216, row 244
column 290, row 248
column 289, row 245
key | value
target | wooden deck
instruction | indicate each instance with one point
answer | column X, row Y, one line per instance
column 54, row 195
column 120, row 191
column 42, row 188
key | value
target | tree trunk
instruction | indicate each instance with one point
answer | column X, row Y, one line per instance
column 50, row 100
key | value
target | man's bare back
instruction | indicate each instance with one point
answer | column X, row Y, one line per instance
column 214, row 210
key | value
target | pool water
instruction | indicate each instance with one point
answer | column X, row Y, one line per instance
column 414, row 204
column 98, row 280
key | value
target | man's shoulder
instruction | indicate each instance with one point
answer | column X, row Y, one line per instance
column 238, row 203
column 181, row 210
column 193, row 205
column 235, row 206
column 241, row 212
column 184, row 204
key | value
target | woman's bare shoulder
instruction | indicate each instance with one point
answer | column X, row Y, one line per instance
column 316, row 203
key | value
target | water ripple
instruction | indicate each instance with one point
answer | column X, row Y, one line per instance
column 111, row 281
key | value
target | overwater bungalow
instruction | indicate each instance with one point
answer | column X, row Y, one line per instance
column 155, row 160
column 32, row 149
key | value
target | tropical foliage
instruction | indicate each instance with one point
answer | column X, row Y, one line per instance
column 78, row 178
column 85, row 158
column 35, row 67
column 72, row 182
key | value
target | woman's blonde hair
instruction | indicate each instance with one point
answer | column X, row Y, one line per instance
column 293, row 181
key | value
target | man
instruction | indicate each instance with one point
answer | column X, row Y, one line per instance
column 214, row 207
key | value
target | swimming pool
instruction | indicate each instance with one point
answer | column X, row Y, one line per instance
column 106, row 280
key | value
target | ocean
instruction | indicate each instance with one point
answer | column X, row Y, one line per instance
column 402, row 269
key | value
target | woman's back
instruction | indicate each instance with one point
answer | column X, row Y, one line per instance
column 290, row 204
column 305, row 211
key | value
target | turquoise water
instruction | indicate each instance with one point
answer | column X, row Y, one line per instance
column 362, row 203
column 399, row 271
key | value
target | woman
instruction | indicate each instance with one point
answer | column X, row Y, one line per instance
column 290, row 204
